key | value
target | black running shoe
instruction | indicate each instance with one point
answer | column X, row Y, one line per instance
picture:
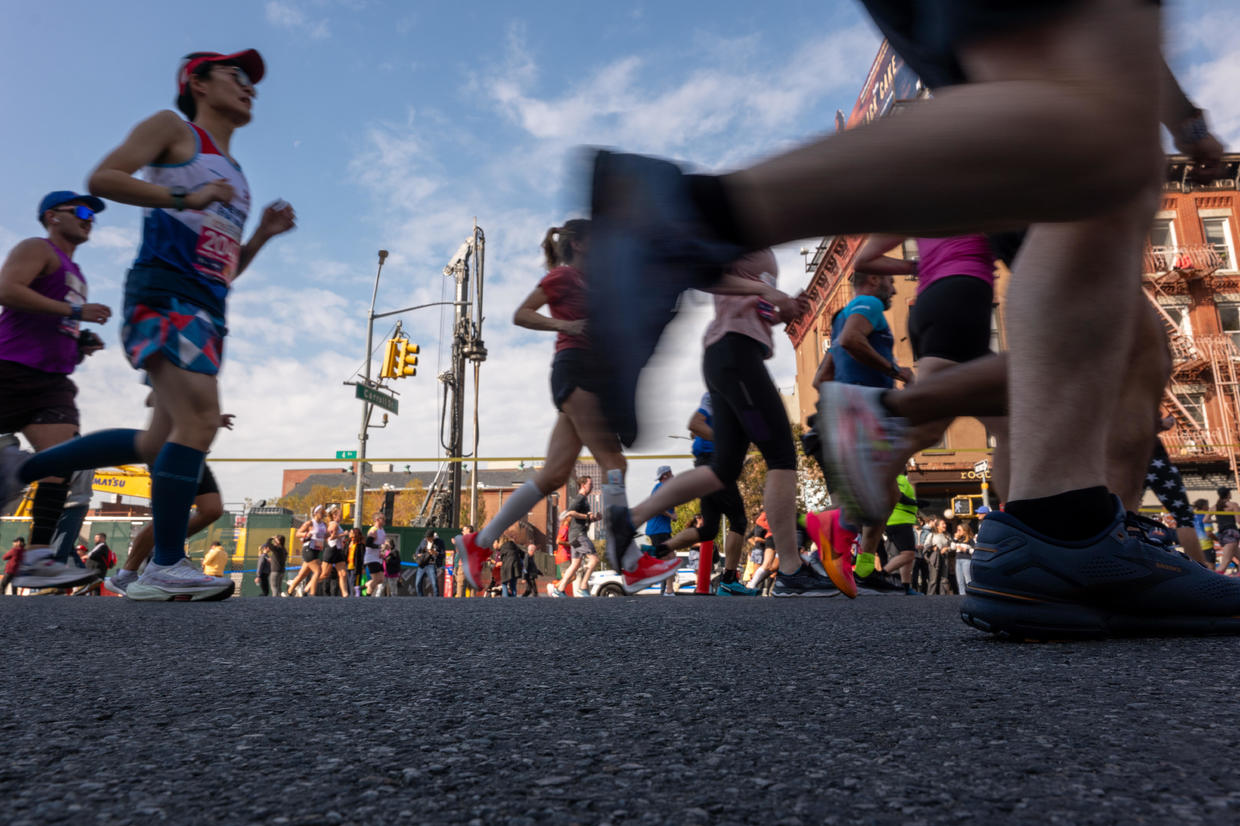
column 1029, row 586
column 648, row 243
column 878, row 583
column 804, row 583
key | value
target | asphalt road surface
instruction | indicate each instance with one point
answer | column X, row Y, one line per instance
column 642, row 710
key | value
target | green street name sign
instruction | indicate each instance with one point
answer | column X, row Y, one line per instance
column 376, row 398
column 346, row 454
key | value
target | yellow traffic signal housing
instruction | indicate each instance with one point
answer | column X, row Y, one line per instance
column 406, row 358
column 387, row 368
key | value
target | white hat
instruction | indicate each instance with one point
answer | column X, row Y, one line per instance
column 663, row 471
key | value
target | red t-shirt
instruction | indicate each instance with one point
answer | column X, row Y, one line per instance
column 565, row 288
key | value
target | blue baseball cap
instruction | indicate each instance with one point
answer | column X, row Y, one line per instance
column 63, row 196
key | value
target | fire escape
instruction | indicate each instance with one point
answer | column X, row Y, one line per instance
column 1202, row 364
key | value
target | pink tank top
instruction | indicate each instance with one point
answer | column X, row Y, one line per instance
column 940, row 258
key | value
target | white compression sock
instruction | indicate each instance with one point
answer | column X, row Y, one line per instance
column 761, row 574
column 614, row 494
column 515, row 507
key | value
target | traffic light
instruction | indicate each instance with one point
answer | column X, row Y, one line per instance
column 400, row 359
column 406, row 358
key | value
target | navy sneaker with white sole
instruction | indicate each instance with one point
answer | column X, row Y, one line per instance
column 648, row 244
column 1118, row 583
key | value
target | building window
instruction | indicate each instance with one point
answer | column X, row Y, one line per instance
column 908, row 250
column 1218, row 236
column 1229, row 320
column 1195, row 404
column 992, row 441
column 1163, row 234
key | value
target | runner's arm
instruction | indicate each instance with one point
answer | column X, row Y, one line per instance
column 25, row 263
column 853, row 338
column 789, row 307
column 527, row 316
column 872, row 258
column 1188, row 127
column 149, row 142
column 278, row 218
column 699, row 427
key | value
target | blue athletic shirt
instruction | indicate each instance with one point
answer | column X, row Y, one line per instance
column 847, row 369
column 661, row 523
column 701, row 446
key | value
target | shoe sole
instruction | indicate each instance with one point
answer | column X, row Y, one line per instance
column 1025, row 619
column 642, row 584
column 806, row 594
column 464, row 555
column 147, row 593
column 37, row 582
column 114, row 588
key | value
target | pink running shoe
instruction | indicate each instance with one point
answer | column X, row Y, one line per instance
column 650, row 571
column 835, row 547
column 470, row 558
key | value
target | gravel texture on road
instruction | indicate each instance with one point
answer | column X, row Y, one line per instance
column 641, row 711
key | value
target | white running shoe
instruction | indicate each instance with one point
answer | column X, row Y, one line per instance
column 11, row 459
column 120, row 581
column 179, row 582
column 553, row 591
column 41, row 570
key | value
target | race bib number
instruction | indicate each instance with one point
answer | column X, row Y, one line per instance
column 219, row 247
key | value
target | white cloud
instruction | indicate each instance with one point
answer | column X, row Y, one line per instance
column 284, row 14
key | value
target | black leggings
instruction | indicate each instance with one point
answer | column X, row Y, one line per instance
column 726, row 502
column 747, row 408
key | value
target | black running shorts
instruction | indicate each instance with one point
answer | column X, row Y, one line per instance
column 951, row 319
column 726, row 502
column 309, row 554
column 207, row 483
column 29, row 396
column 748, row 408
column 903, row 537
column 334, row 556
column 569, row 370
column 928, row 34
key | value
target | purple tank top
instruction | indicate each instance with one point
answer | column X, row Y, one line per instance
column 45, row 342
column 960, row 255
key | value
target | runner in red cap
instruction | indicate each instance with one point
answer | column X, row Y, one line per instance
column 195, row 202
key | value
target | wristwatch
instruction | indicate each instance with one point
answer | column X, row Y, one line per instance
column 178, row 194
column 1193, row 129
column 75, row 312
column 894, row 372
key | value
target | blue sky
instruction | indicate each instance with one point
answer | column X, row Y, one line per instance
column 392, row 125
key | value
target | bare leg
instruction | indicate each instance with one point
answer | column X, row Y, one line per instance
column 1136, row 419
column 342, row 578
column 1067, row 101
column 902, row 563
column 1187, row 537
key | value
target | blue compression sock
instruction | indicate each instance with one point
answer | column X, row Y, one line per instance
column 174, row 481
column 105, row 448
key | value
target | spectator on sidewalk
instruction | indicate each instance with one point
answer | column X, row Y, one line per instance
column 215, row 563
column 962, row 553
column 12, row 564
column 937, row 551
column 427, row 558
column 279, row 563
column 530, row 572
column 390, row 557
column 262, row 576
column 100, row 558
column 510, row 557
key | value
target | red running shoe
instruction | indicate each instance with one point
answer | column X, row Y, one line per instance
column 470, row 558
column 650, row 571
column 835, row 547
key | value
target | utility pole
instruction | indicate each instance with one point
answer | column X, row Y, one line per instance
column 467, row 345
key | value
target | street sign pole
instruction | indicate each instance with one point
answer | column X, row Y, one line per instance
column 358, row 518
column 982, row 469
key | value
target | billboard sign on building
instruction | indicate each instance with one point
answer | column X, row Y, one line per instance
column 889, row 80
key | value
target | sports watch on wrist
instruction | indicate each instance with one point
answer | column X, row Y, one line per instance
column 178, row 194
column 75, row 312
column 894, row 372
column 1193, row 129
